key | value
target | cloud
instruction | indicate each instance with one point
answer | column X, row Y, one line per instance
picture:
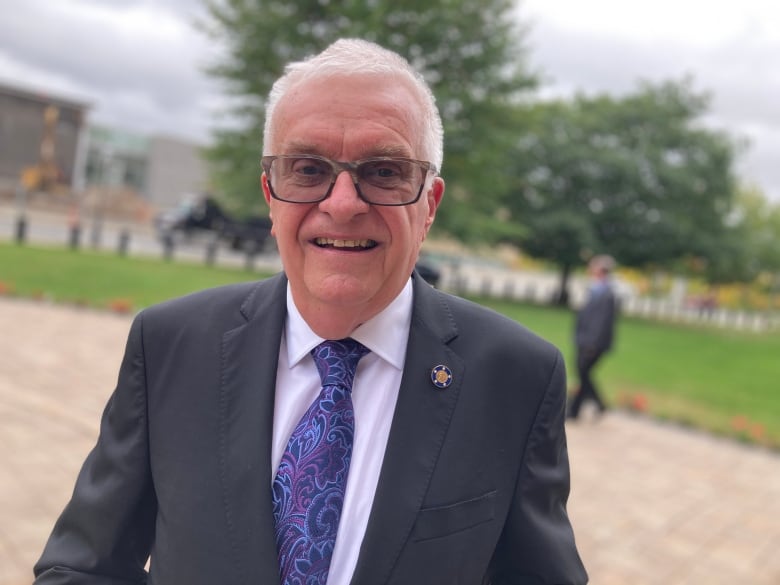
column 140, row 62
column 140, row 66
column 729, row 49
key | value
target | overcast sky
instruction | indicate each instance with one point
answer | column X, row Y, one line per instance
column 138, row 62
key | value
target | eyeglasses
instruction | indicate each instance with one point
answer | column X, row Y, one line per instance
column 381, row 180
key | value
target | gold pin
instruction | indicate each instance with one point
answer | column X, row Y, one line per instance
column 441, row 376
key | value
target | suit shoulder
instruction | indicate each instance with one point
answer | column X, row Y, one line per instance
column 474, row 321
column 214, row 303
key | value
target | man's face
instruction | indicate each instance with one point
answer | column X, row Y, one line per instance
column 347, row 119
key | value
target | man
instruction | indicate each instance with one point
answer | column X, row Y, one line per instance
column 459, row 469
column 594, row 331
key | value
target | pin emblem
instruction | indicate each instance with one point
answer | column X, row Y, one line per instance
column 441, row 376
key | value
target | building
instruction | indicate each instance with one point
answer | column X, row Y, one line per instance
column 175, row 169
column 159, row 168
column 42, row 138
column 47, row 145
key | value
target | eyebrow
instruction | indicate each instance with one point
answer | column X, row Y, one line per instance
column 300, row 147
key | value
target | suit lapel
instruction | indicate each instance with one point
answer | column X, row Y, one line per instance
column 420, row 422
column 248, row 372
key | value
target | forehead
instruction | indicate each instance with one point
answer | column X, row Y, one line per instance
column 349, row 116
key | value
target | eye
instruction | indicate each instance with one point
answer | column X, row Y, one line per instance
column 309, row 166
column 384, row 172
column 308, row 171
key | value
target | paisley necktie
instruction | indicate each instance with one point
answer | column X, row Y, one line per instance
column 308, row 491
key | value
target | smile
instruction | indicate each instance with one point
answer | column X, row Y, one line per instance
column 350, row 244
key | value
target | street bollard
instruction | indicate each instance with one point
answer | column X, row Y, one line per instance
column 21, row 229
column 124, row 242
column 167, row 242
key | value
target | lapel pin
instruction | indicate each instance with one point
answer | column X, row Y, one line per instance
column 441, row 376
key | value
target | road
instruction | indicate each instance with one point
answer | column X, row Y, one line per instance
column 53, row 228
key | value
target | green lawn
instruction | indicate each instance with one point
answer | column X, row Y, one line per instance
column 99, row 278
column 720, row 380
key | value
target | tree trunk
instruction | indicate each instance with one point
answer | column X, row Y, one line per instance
column 561, row 297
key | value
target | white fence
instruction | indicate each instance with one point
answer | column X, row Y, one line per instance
column 535, row 287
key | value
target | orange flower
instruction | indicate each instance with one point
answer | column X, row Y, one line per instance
column 757, row 432
column 739, row 423
column 120, row 305
column 639, row 402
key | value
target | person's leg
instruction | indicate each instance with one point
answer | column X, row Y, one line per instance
column 584, row 389
column 588, row 391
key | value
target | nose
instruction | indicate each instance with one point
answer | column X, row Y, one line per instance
column 344, row 203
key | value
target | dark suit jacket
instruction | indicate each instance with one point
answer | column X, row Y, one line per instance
column 595, row 324
column 472, row 489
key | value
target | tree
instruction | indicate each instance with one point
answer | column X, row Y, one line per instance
column 750, row 245
column 636, row 177
column 470, row 51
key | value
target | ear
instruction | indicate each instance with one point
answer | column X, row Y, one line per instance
column 266, row 190
column 267, row 196
column 433, row 196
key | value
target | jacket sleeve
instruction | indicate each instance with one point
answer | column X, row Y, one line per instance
column 104, row 534
column 537, row 544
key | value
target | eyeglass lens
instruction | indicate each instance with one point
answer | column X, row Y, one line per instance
column 380, row 181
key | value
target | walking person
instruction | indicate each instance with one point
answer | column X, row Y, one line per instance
column 342, row 422
column 594, row 331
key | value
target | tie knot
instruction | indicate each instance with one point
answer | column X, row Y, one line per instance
column 337, row 361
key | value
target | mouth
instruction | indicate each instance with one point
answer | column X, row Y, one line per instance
column 356, row 245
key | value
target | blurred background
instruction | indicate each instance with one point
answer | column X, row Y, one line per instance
column 131, row 131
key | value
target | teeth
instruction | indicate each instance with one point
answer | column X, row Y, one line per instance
column 344, row 243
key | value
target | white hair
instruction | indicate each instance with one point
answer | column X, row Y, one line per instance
column 356, row 57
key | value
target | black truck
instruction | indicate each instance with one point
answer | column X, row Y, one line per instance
column 203, row 215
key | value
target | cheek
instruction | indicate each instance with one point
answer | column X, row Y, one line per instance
column 286, row 221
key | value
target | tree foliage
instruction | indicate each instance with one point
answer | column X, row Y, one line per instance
column 637, row 177
column 470, row 51
column 750, row 244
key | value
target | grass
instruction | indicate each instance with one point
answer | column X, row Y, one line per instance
column 104, row 280
column 715, row 379
column 721, row 380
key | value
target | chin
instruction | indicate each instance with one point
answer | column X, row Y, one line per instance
column 342, row 289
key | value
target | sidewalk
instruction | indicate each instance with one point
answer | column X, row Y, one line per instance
column 651, row 503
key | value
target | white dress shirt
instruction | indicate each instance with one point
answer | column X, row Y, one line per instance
column 374, row 394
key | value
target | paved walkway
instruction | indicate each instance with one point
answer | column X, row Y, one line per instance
column 651, row 504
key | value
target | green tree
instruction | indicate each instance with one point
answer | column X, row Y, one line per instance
column 470, row 51
column 750, row 244
column 637, row 177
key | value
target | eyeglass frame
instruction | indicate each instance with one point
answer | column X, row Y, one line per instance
column 350, row 167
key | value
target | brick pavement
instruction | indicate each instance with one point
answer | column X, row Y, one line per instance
column 651, row 503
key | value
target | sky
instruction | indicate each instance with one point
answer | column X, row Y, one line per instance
column 139, row 63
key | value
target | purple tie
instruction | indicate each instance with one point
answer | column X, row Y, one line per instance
column 308, row 492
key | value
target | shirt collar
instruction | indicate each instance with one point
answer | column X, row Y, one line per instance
column 386, row 334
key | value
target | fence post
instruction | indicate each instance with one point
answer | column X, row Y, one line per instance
column 251, row 252
column 124, row 241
